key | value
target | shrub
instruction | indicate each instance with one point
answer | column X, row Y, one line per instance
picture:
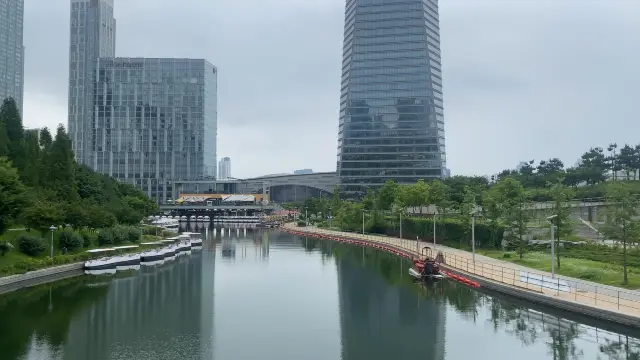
column 301, row 223
column 5, row 247
column 133, row 234
column 70, row 240
column 88, row 237
column 31, row 245
column 105, row 237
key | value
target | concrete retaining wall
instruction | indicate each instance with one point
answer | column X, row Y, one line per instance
column 31, row 278
column 539, row 298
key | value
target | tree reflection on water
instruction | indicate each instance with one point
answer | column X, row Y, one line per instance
column 527, row 325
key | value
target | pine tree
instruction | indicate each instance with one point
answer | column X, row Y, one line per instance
column 10, row 116
column 30, row 174
column 45, row 138
column 60, row 167
column 4, row 140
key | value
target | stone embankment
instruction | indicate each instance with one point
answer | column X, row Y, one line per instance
column 37, row 277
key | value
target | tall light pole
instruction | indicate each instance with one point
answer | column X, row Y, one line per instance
column 434, row 227
column 52, row 228
column 552, row 219
column 473, row 235
column 363, row 222
column 330, row 218
column 400, row 224
column 306, row 216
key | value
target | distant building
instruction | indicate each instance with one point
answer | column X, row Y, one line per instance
column 12, row 51
column 224, row 168
column 153, row 122
column 303, row 172
column 446, row 173
column 391, row 124
column 92, row 36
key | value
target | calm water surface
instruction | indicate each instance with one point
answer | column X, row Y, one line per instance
column 270, row 295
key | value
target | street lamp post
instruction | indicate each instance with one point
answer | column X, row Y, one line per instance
column 473, row 236
column 52, row 228
column 553, row 258
column 363, row 222
column 434, row 228
column 306, row 216
column 401, row 225
column 330, row 218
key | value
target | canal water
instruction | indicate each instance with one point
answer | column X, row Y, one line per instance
column 265, row 294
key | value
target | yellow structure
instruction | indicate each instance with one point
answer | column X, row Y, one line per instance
column 198, row 198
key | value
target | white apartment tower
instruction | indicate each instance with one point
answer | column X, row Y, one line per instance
column 93, row 35
column 224, row 168
column 11, row 51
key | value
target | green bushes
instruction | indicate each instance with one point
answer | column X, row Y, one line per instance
column 70, row 240
column 32, row 264
column 5, row 247
column 301, row 223
column 31, row 245
column 452, row 232
column 119, row 235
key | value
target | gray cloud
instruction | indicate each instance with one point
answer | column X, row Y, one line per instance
column 523, row 79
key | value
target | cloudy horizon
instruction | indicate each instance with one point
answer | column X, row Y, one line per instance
column 523, row 80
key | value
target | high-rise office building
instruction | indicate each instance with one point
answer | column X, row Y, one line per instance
column 391, row 109
column 155, row 122
column 12, row 51
column 224, row 168
column 92, row 35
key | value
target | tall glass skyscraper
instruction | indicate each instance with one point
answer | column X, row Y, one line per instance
column 391, row 108
column 155, row 122
column 92, row 35
column 11, row 51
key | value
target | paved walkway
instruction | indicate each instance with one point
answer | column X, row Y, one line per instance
column 581, row 292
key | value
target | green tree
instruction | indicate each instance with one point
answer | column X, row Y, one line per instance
column 42, row 215
column 45, row 138
column 387, row 195
column 61, row 167
column 561, row 207
column 492, row 212
column 593, row 166
column 4, row 140
column 628, row 161
column 621, row 221
column 438, row 195
column 32, row 160
column 510, row 194
column 12, row 194
column 10, row 117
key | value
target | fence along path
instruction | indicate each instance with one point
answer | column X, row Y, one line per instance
column 577, row 291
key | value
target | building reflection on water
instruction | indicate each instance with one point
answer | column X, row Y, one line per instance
column 166, row 310
column 380, row 321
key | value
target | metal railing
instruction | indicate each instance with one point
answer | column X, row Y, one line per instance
column 578, row 291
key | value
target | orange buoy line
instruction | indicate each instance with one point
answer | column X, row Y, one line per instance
column 390, row 249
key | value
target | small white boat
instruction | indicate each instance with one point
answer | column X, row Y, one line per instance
column 192, row 218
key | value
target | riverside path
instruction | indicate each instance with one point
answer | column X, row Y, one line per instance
column 585, row 297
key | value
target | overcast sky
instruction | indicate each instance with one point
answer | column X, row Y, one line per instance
column 523, row 79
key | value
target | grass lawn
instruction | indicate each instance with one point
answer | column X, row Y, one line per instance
column 14, row 256
column 589, row 270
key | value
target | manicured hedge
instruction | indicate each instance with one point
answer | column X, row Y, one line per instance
column 452, row 232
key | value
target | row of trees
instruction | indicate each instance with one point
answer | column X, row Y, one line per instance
column 594, row 167
column 41, row 184
column 502, row 212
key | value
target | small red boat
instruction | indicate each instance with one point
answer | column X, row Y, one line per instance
column 425, row 268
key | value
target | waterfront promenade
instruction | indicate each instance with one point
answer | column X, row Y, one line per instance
column 607, row 302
